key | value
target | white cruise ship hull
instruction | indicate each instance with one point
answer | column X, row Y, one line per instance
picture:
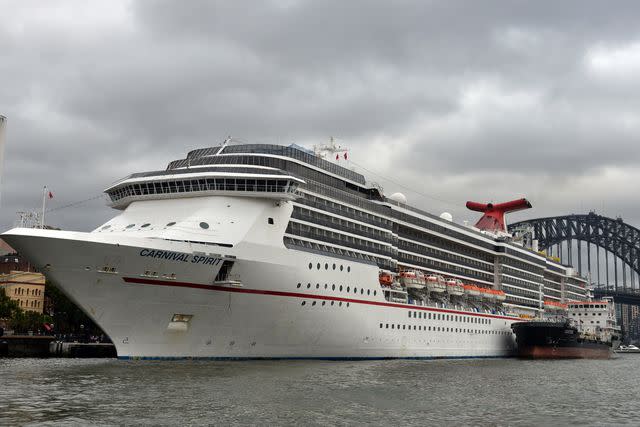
column 275, row 305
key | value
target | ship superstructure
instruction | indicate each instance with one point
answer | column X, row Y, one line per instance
column 258, row 250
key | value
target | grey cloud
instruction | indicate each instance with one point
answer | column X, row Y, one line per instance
column 88, row 109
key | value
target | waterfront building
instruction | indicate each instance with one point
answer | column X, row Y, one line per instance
column 26, row 288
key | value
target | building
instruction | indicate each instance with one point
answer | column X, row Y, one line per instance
column 25, row 287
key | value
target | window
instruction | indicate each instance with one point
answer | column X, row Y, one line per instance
column 299, row 284
column 204, row 225
column 310, row 266
column 270, row 221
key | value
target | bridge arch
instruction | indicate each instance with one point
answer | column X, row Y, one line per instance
column 613, row 236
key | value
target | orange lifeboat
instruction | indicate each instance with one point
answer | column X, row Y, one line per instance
column 500, row 295
column 385, row 279
column 472, row 291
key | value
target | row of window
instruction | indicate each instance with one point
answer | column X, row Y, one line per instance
column 341, row 224
column 203, row 225
column 299, row 243
column 449, row 317
column 304, row 230
column 27, row 291
column 30, row 304
column 340, row 288
column 521, row 274
column 342, row 209
column 209, row 184
column 431, row 264
column 326, row 266
column 459, row 259
column 441, row 329
column 332, row 303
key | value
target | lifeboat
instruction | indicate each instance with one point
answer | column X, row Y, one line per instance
column 500, row 295
column 412, row 279
column 436, row 283
column 455, row 287
column 486, row 294
column 554, row 305
column 385, row 279
column 472, row 291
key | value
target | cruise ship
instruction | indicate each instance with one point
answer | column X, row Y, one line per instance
column 269, row 251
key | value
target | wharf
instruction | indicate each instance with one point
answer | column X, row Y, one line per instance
column 47, row 346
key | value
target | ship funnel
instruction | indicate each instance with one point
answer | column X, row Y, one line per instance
column 493, row 218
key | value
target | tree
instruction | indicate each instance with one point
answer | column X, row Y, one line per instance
column 8, row 307
column 67, row 317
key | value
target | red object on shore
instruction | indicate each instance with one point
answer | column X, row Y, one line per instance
column 493, row 218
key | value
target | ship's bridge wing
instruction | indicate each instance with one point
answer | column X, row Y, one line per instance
column 240, row 180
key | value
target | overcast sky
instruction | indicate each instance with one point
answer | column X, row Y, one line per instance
column 454, row 101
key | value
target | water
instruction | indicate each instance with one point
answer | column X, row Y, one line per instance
column 398, row 392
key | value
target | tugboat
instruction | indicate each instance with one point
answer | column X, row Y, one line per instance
column 587, row 331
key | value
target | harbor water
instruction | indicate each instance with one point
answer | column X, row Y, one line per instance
column 387, row 392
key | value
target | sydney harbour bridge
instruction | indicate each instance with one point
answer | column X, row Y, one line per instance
column 605, row 250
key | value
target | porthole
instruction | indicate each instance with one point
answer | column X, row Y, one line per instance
column 324, row 302
column 409, row 314
column 368, row 291
column 361, row 291
column 348, row 289
column 347, row 304
column 310, row 266
column 326, row 266
column 106, row 227
column 299, row 284
column 313, row 303
column 332, row 302
column 318, row 266
column 340, row 304
column 393, row 326
column 341, row 268
column 130, row 226
column 349, row 269
column 380, row 325
column 375, row 292
column 303, row 302
column 145, row 225
column 317, row 285
column 308, row 285
column 333, row 287
column 340, row 288
column 326, row 286
column 204, row 225
column 334, row 266
column 170, row 224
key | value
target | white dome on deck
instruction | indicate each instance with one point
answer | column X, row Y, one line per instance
column 446, row 216
column 398, row 197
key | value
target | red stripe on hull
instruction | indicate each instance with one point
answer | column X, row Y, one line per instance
column 303, row 295
column 550, row 352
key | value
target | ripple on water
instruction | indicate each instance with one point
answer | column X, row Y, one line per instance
column 453, row 392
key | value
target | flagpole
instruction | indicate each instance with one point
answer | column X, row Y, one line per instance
column 44, row 199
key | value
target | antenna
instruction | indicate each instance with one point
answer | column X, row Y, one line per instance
column 3, row 121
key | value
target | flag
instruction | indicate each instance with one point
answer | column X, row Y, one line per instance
column 50, row 195
column 345, row 155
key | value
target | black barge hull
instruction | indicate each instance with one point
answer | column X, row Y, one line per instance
column 556, row 340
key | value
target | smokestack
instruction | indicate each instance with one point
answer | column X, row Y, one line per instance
column 3, row 121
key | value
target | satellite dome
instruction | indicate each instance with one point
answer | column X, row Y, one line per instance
column 446, row 216
column 398, row 197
